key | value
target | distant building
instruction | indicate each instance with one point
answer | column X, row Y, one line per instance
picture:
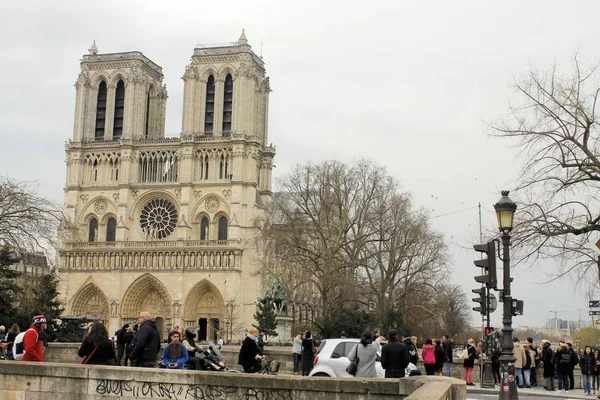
column 31, row 264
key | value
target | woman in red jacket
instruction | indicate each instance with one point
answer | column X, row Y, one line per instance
column 428, row 354
column 32, row 345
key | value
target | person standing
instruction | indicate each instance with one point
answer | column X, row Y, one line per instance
column 147, row 346
column 562, row 360
column 587, row 364
column 448, row 348
column 250, row 355
column 308, row 353
column 10, row 339
column 32, row 342
column 394, row 356
column 97, row 348
column 469, row 362
column 548, row 360
column 428, row 355
column 574, row 362
column 536, row 360
column 297, row 351
column 596, row 376
column 366, row 352
column 121, row 342
column 520, row 360
column 440, row 358
column 412, row 350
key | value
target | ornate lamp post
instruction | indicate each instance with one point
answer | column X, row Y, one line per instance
column 505, row 211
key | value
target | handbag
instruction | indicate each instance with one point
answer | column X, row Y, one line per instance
column 353, row 366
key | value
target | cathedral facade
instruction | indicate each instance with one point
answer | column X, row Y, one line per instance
column 165, row 224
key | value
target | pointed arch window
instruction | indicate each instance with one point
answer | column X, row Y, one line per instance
column 100, row 111
column 119, row 110
column 93, row 230
column 204, row 228
column 205, row 166
column 111, row 230
column 147, row 116
column 222, row 228
column 210, row 105
column 227, row 105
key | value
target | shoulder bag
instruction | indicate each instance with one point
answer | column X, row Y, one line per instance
column 353, row 366
column 85, row 360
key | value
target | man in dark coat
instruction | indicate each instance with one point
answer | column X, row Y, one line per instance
column 120, row 334
column 394, row 356
column 147, row 346
column 250, row 356
column 448, row 348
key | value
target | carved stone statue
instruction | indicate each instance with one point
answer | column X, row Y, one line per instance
column 278, row 297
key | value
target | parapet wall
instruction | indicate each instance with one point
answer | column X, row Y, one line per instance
column 28, row 380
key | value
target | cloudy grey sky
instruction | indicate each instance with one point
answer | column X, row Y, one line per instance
column 406, row 83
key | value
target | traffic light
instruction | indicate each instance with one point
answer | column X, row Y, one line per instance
column 482, row 300
column 489, row 330
column 488, row 264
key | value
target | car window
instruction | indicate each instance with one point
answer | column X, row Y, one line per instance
column 321, row 345
column 349, row 347
column 339, row 351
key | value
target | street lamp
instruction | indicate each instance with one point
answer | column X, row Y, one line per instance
column 505, row 211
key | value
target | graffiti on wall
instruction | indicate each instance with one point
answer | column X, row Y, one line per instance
column 175, row 391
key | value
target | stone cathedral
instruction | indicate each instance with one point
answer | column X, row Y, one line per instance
column 165, row 224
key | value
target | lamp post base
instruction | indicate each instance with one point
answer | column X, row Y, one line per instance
column 508, row 382
column 488, row 376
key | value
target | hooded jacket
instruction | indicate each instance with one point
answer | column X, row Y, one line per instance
column 148, row 343
column 412, row 351
column 33, row 345
column 519, row 355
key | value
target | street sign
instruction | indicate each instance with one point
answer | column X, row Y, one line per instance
column 595, row 312
column 594, row 304
column 594, row 243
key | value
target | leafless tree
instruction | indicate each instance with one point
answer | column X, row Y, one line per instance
column 27, row 221
column 555, row 127
column 339, row 234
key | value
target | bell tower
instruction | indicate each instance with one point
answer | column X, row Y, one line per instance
column 119, row 96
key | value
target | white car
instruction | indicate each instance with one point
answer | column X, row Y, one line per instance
column 332, row 358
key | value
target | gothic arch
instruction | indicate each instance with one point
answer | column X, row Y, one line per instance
column 208, row 72
column 108, row 215
column 227, row 69
column 97, row 78
column 203, row 301
column 150, row 195
column 146, row 293
column 116, row 76
column 91, row 302
column 88, row 210
column 200, row 209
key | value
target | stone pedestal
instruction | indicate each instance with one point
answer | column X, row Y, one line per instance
column 284, row 327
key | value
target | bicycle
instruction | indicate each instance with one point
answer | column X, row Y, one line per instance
column 269, row 367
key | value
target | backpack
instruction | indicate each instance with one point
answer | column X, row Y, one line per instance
column 465, row 354
column 18, row 351
column 565, row 358
column 527, row 359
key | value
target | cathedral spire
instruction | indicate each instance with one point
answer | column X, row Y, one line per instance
column 93, row 50
column 242, row 39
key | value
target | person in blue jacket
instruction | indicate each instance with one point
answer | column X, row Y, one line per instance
column 175, row 354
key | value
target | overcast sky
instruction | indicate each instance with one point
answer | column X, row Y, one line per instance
column 406, row 83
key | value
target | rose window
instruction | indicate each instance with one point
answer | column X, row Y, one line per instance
column 158, row 218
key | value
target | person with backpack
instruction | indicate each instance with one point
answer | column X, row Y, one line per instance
column 469, row 355
column 33, row 349
column 10, row 340
column 562, row 360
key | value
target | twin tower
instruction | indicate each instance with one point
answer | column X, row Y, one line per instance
column 165, row 224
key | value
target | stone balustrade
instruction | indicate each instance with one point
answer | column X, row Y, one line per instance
column 155, row 259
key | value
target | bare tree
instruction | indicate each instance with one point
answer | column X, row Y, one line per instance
column 555, row 126
column 27, row 221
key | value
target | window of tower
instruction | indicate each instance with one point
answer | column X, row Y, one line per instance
column 93, row 230
column 147, row 116
column 227, row 105
column 222, row 228
column 111, row 230
column 204, row 228
column 119, row 110
column 100, row 111
column 210, row 105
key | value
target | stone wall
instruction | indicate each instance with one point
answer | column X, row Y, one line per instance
column 25, row 381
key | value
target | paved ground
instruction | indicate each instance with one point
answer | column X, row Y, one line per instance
column 477, row 393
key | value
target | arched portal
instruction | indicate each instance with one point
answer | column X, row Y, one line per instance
column 91, row 302
column 204, row 307
column 147, row 293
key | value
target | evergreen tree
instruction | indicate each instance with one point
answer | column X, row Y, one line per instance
column 265, row 316
column 8, row 286
column 46, row 297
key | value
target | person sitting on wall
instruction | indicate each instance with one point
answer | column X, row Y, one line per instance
column 175, row 354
